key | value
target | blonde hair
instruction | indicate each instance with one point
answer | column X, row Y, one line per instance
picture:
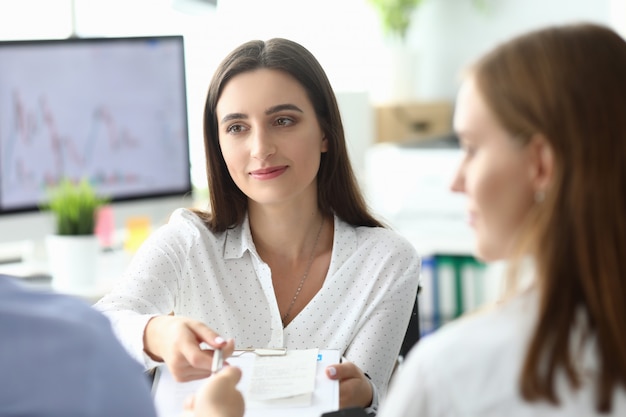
column 568, row 83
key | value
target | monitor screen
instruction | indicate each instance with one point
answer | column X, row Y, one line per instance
column 112, row 110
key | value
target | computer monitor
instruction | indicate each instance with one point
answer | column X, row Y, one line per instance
column 112, row 110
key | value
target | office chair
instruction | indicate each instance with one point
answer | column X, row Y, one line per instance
column 412, row 335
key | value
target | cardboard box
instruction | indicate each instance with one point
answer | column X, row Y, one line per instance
column 407, row 122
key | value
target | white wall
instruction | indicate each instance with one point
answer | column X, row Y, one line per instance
column 448, row 34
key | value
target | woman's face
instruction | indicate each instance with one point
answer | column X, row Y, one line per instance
column 270, row 137
column 495, row 175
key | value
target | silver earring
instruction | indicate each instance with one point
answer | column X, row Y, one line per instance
column 540, row 196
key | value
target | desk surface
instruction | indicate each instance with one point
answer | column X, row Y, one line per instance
column 35, row 274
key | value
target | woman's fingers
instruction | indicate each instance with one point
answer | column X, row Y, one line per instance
column 180, row 341
column 355, row 389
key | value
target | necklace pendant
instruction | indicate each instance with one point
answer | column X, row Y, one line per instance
column 304, row 277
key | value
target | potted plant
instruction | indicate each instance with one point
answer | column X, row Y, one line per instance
column 73, row 248
column 397, row 81
column 74, row 205
column 395, row 16
column 402, row 64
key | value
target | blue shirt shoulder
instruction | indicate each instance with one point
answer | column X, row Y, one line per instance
column 59, row 357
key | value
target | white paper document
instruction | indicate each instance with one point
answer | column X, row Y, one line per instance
column 284, row 385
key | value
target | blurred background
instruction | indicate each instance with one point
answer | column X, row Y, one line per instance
column 396, row 94
column 346, row 36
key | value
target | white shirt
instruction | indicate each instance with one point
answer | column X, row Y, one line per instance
column 362, row 309
column 472, row 367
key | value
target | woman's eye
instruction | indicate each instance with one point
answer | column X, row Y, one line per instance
column 284, row 121
column 234, row 128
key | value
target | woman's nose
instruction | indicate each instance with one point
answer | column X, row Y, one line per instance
column 458, row 181
column 262, row 146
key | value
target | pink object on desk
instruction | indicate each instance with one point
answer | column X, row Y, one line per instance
column 105, row 226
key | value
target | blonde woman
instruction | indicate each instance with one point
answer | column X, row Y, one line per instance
column 541, row 121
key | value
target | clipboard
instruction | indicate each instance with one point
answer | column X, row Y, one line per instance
column 169, row 394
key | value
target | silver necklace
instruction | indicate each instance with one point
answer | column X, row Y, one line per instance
column 306, row 274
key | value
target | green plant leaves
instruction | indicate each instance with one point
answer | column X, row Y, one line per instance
column 395, row 15
column 74, row 206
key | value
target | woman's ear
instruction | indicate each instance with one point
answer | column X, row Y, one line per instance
column 324, row 144
column 541, row 164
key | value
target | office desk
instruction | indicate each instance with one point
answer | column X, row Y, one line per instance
column 35, row 274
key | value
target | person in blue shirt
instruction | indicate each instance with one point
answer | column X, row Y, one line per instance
column 59, row 357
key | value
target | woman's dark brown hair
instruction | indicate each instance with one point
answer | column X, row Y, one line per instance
column 568, row 83
column 337, row 188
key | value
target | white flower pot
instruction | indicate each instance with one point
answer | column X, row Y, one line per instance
column 72, row 261
column 396, row 75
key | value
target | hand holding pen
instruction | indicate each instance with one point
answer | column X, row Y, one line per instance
column 218, row 361
column 177, row 341
column 218, row 356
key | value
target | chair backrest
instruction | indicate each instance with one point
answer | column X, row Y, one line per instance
column 412, row 335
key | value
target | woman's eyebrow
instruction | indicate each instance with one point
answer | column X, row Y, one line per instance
column 281, row 107
column 233, row 116
column 271, row 110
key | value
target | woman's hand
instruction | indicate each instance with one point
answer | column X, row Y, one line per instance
column 176, row 341
column 218, row 397
column 355, row 389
